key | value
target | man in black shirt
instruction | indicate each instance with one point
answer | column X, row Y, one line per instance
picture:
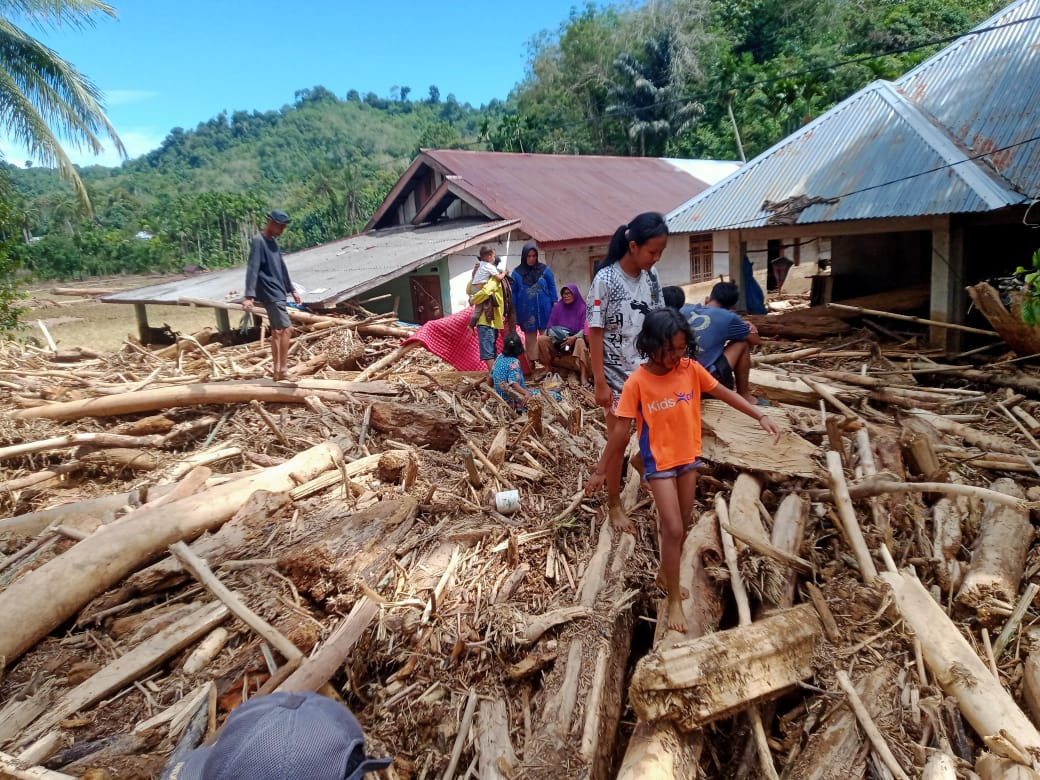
column 267, row 282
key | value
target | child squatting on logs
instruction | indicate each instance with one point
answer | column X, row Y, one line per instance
column 663, row 396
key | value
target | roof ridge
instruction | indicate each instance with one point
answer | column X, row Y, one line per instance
column 939, row 139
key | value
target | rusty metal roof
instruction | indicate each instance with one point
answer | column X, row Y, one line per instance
column 332, row 272
column 984, row 89
column 914, row 147
column 569, row 198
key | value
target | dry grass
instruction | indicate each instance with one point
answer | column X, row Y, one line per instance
column 104, row 326
column 75, row 322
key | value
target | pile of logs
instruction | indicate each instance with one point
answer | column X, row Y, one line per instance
column 180, row 534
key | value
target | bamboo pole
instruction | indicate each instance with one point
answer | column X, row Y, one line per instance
column 911, row 318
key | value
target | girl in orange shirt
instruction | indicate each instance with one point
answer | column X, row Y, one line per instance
column 663, row 396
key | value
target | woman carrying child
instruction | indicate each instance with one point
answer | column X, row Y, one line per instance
column 663, row 396
column 624, row 290
column 485, row 267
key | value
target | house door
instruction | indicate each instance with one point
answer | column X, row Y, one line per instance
column 426, row 298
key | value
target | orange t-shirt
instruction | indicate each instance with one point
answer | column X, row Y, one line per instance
column 667, row 411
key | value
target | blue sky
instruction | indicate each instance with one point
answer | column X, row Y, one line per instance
column 165, row 64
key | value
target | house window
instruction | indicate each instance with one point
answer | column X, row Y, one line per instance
column 593, row 259
column 702, row 259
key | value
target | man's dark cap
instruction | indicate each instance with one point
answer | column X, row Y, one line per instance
column 303, row 736
column 279, row 216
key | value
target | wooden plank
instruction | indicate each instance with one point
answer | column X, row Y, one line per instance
column 129, row 667
column 731, row 437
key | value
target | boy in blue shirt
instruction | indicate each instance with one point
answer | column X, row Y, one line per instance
column 724, row 340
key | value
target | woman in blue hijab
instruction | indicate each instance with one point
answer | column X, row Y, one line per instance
column 534, row 293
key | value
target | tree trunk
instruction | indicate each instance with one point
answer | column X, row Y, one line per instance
column 999, row 554
column 195, row 395
column 328, row 569
column 658, row 750
column 983, row 701
column 702, row 680
column 414, row 425
column 43, row 599
column 835, row 750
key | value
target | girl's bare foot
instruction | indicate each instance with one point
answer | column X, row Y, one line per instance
column 676, row 618
column 684, row 593
column 621, row 521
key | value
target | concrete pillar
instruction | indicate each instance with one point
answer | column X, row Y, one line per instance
column 948, row 298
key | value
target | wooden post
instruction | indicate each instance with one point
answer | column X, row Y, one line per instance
column 223, row 320
column 736, row 251
column 534, row 416
column 141, row 313
column 471, row 467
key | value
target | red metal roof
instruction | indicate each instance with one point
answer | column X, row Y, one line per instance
column 568, row 198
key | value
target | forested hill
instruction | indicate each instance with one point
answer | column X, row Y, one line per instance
column 686, row 78
column 329, row 161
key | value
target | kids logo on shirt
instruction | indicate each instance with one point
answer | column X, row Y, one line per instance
column 668, row 403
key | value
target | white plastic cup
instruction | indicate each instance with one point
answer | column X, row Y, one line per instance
column 507, row 501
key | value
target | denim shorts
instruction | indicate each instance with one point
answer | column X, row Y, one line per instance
column 723, row 371
column 678, row 471
column 486, row 337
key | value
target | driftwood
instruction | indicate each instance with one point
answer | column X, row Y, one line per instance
column 983, row 701
column 733, row 438
column 225, row 542
column 197, row 395
column 316, row 670
column 415, row 425
column 359, row 546
column 497, row 758
column 44, row 598
column 658, row 750
column 565, row 736
column 700, row 681
column 948, row 517
column 1022, row 338
column 89, row 513
column 849, row 523
column 836, row 749
column 130, row 666
column 791, row 389
column 999, row 556
column 77, row 439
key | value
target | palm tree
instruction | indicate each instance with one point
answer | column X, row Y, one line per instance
column 42, row 97
column 648, row 96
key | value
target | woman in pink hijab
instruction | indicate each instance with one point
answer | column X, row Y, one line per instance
column 565, row 333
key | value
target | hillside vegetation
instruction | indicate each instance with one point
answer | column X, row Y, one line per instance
column 658, row 79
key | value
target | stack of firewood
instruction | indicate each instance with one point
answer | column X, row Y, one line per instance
column 182, row 534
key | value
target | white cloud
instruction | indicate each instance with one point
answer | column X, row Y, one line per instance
column 123, row 97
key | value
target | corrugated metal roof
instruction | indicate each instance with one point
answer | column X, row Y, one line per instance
column 560, row 198
column 904, row 148
column 338, row 270
column 985, row 90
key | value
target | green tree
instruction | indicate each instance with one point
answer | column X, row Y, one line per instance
column 43, row 99
column 648, row 97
